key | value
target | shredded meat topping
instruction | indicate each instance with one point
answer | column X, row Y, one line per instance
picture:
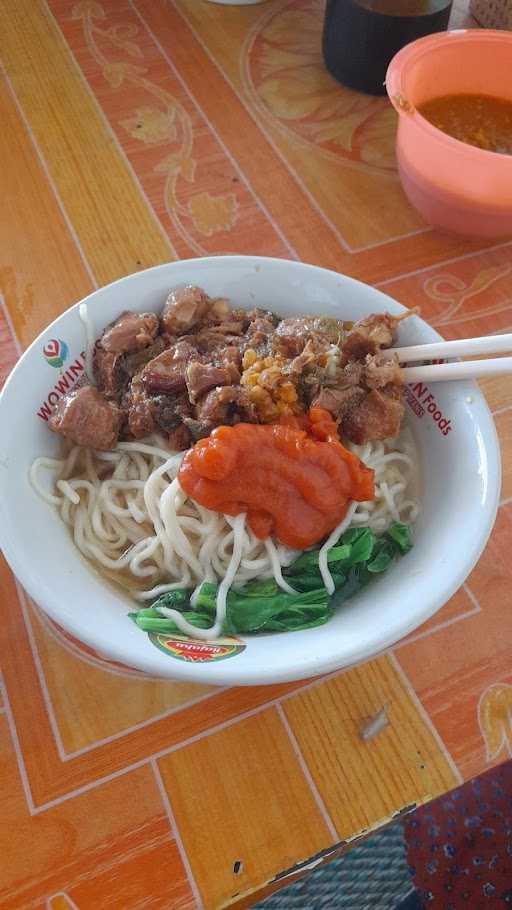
column 201, row 364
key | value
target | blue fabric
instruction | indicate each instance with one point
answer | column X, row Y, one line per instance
column 372, row 876
column 411, row 902
column 453, row 854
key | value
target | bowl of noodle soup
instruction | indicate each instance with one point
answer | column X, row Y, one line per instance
column 94, row 535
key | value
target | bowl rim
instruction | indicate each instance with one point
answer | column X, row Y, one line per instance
column 291, row 671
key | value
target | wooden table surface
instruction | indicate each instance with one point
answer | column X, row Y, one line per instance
column 139, row 132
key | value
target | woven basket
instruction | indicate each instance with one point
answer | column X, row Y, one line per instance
column 493, row 13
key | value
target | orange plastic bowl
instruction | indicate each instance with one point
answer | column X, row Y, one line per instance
column 456, row 187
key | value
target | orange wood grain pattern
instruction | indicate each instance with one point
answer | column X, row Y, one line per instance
column 504, row 428
column 113, row 222
column 8, row 345
column 33, row 233
column 454, row 688
column 286, row 202
column 241, row 795
column 498, row 391
column 89, row 700
column 49, row 777
column 110, row 847
column 135, row 132
column 194, row 187
column 460, row 606
column 326, row 721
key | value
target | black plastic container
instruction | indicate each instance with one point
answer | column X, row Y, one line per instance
column 361, row 37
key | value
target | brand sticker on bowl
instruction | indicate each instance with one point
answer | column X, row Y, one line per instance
column 194, row 651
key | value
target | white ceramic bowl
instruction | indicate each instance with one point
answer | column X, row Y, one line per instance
column 461, row 481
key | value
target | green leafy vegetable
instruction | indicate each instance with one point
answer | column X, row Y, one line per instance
column 357, row 579
column 179, row 599
column 400, row 534
column 253, row 610
column 311, row 582
column 362, row 545
column 355, row 545
column 382, row 556
column 150, row 620
column 264, row 587
column 309, row 560
column 259, row 607
column 262, row 606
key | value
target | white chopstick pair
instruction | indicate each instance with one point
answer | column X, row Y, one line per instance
column 445, row 350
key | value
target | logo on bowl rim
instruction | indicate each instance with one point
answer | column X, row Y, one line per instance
column 56, row 352
column 421, row 401
column 194, row 650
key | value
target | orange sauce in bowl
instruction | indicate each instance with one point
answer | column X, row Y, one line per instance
column 293, row 482
column 483, row 121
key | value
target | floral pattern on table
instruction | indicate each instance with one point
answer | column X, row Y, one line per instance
column 286, row 78
column 165, row 122
column 465, row 298
column 495, row 719
column 194, row 186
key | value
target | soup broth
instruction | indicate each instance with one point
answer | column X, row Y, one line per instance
column 483, row 121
